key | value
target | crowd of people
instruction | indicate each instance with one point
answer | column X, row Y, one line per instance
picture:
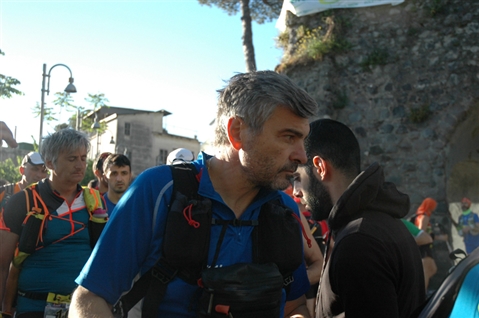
column 218, row 236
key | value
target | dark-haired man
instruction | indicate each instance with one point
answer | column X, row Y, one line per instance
column 374, row 268
column 117, row 174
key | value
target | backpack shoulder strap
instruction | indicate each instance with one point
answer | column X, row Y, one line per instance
column 32, row 225
column 185, row 180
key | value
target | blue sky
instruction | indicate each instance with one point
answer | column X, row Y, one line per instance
column 147, row 55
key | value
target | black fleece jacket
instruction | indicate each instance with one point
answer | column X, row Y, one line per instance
column 375, row 268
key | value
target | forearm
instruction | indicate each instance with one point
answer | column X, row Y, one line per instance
column 312, row 255
column 314, row 272
column 10, row 289
column 4, row 269
column 87, row 304
column 296, row 308
column 8, row 243
column 3, row 280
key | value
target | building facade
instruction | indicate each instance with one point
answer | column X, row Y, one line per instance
column 139, row 135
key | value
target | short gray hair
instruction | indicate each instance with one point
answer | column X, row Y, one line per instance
column 65, row 140
column 254, row 96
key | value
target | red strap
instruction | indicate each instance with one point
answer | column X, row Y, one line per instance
column 302, row 230
column 222, row 309
column 324, row 228
column 188, row 216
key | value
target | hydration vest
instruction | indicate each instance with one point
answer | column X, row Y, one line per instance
column 276, row 239
column 31, row 238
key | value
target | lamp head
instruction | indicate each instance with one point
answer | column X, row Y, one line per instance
column 112, row 141
column 96, row 125
column 71, row 88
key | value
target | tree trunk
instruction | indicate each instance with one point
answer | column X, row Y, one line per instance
column 248, row 47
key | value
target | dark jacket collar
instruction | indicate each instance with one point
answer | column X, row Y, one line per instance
column 368, row 192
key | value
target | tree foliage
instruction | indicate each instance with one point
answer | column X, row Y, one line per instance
column 251, row 10
column 89, row 175
column 97, row 100
column 65, row 102
column 9, row 170
column 6, row 85
column 63, row 99
column 261, row 10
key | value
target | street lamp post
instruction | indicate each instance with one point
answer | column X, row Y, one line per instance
column 69, row 89
column 96, row 126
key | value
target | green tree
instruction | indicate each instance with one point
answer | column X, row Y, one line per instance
column 89, row 175
column 251, row 10
column 9, row 170
column 50, row 114
column 65, row 101
column 97, row 101
column 6, row 85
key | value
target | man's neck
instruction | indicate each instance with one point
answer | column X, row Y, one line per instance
column 113, row 196
column 338, row 187
column 23, row 184
column 230, row 183
column 68, row 191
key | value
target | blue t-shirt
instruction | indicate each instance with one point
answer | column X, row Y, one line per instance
column 131, row 242
column 109, row 205
column 470, row 241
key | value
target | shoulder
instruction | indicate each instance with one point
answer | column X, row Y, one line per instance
column 160, row 173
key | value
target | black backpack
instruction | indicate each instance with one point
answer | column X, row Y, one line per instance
column 185, row 251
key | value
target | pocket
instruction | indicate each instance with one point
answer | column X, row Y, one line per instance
column 31, row 230
column 242, row 291
column 187, row 232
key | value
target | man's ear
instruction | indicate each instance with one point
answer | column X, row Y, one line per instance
column 235, row 125
column 49, row 165
column 322, row 167
column 21, row 169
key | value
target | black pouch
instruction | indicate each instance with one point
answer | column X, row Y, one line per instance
column 94, row 229
column 30, row 232
column 241, row 291
column 187, row 232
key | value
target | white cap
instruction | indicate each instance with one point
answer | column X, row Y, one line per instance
column 179, row 155
column 33, row 158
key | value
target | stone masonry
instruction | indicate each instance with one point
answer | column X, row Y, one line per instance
column 401, row 59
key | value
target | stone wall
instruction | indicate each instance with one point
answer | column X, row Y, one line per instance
column 427, row 57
